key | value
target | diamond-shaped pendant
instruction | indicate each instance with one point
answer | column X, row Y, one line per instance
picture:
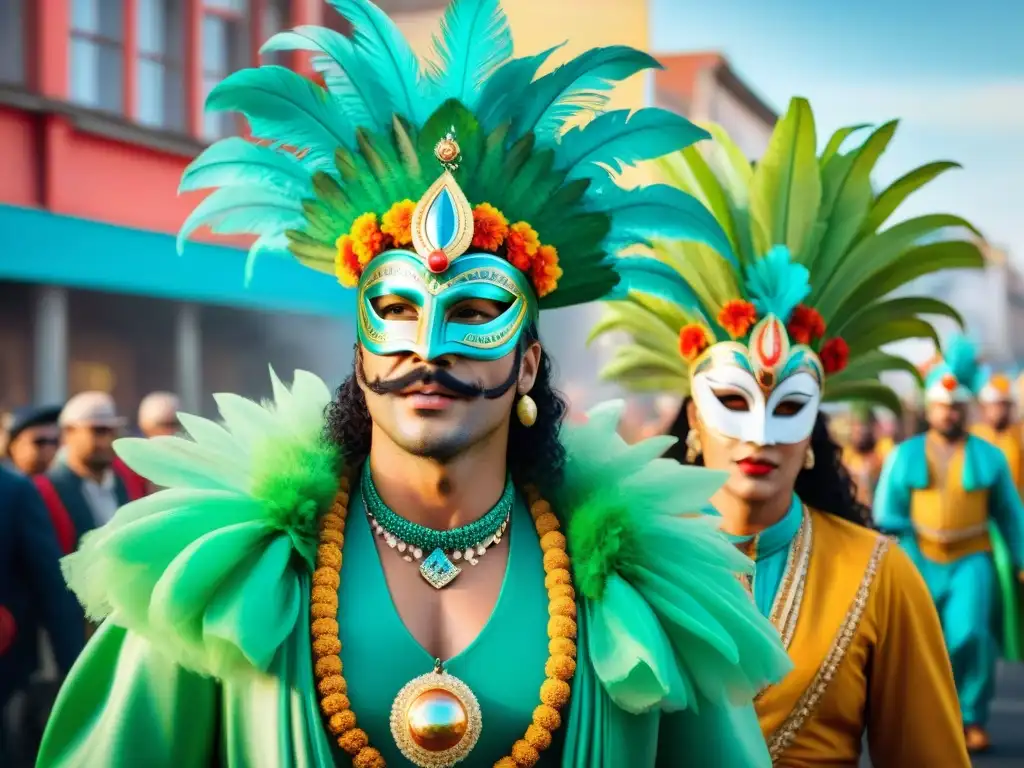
column 438, row 570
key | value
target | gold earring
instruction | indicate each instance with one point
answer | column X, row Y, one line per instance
column 526, row 410
column 693, row 446
column 809, row 458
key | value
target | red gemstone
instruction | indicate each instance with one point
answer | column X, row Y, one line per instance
column 437, row 261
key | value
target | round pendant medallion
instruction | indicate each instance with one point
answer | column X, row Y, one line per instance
column 435, row 720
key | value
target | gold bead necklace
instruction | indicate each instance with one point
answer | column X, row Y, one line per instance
column 331, row 684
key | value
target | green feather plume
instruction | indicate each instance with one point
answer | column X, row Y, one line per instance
column 819, row 215
column 366, row 141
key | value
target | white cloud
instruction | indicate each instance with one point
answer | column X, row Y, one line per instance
column 981, row 108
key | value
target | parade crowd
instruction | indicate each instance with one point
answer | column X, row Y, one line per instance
column 59, row 479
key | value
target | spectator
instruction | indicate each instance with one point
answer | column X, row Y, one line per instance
column 32, row 438
column 158, row 414
column 32, row 592
column 85, row 489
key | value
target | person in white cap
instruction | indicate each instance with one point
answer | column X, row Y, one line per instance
column 158, row 414
column 85, row 488
column 998, row 425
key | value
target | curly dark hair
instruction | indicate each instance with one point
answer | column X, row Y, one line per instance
column 536, row 456
column 827, row 487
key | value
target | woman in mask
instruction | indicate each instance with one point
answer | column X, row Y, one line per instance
column 793, row 310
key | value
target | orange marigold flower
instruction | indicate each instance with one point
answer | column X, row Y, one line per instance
column 489, row 227
column 949, row 382
column 737, row 317
column 346, row 264
column 367, row 239
column 834, row 355
column 805, row 325
column 693, row 339
column 522, row 244
column 544, row 271
column 397, row 222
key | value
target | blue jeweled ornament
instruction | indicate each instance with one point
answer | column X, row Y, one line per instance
column 442, row 220
column 438, row 570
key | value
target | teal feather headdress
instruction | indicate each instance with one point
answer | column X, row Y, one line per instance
column 959, row 375
column 811, row 251
column 333, row 174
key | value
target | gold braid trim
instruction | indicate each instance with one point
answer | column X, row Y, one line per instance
column 782, row 738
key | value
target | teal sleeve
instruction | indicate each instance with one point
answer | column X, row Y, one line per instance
column 891, row 507
column 1007, row 512
column 713, row 736
column 125, row 706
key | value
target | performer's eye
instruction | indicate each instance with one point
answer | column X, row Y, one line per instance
column 476, row 311
column 733, row 402
column 789, row 408
column 394, row 308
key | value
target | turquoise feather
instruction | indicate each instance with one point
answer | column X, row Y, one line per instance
column 775, row 284
column 961, row 358
column 249, row 210
column 623, row 138
column 278, row 102
column 579, row 84
column 475, row 40
column 396, row 66
column 348, row 75
column 643, row 274
column 661, row 211
column 500, row 96
column 237, row 162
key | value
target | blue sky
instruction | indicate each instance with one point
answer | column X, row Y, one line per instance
column 952, row 71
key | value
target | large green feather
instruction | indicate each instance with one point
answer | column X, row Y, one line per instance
column 871, row 392
column 891, row 198
column 786, row 188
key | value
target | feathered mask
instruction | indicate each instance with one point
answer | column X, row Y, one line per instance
column 463, row 177
column 802, row 293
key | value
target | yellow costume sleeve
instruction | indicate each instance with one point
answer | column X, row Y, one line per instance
column 913, row 712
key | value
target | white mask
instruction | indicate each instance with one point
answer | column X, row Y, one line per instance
column 776, row 387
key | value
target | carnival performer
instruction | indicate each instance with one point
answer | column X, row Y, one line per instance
column 998, row 424
column 862, row 458
column 757, row 335
column 951, row 500
column 442, row 573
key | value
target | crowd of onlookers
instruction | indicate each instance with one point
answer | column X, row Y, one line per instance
column 59, row 479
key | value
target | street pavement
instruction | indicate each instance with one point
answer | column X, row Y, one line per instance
column 1006, row 726
column 1007, row 722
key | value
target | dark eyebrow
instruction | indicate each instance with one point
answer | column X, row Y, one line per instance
column 730, row 384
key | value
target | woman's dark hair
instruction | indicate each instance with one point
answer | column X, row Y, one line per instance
column 827, row 487
column 535, row 454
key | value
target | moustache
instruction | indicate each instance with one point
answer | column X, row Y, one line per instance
column 444, row 379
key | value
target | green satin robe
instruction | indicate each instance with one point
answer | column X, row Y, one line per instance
column 125, row 705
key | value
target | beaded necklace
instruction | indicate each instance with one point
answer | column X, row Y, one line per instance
column 418, row 745
column 468, row 542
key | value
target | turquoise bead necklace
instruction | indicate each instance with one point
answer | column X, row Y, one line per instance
column 444, row 548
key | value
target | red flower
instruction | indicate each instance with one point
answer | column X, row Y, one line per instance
column 949, row 382
column 737, row 317
column 834, row 355
column 805, row 325
column 693, row 339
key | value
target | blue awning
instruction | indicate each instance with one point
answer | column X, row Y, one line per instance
column 41, row 247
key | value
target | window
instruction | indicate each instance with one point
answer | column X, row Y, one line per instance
column 12, row 41
column 225, row 49
column 160, row 92
column 97, row 77
column 276, row 17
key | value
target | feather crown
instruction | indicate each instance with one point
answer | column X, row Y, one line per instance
column 334, row 170
column 807, row 248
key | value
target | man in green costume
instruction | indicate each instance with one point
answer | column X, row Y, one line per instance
column 440, row 572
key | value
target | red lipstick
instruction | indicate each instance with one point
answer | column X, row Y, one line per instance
column 755, row 467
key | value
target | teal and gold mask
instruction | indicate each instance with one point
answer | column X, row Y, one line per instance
column 435, row 277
